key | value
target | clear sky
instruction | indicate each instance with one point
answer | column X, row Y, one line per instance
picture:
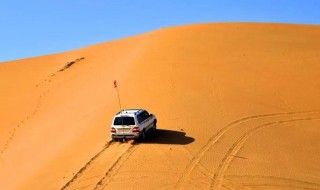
column 39, row 27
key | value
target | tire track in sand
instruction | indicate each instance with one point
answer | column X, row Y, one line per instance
column 92, row 174
column 255, row 180
column 103, row 182
column 215, row 138
column 225, row 162
column 46, row 83
column 85, row 167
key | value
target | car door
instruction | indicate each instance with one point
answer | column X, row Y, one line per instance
column 123, row 124
column 142, row 121
column 148, row 120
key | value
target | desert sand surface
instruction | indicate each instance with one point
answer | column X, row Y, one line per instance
column 237, row 105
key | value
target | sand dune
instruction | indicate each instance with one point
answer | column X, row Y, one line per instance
column 237, row 104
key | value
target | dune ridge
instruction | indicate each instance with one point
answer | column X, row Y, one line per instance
column 237, row 105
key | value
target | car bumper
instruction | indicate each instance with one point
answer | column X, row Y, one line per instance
column 125, row 136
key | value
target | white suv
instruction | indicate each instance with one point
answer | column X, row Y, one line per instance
column 133, row 124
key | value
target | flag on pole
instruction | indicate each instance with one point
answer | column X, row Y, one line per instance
column 115, row 84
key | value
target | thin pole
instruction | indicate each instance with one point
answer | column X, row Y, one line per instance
column 115, row 85
column 119, row 98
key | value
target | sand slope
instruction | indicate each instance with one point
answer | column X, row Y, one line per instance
column 237, row 103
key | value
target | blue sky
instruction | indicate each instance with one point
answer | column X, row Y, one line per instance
column 39, row 27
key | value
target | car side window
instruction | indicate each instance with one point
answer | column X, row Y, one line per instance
column 146, row 114
column 140, row 118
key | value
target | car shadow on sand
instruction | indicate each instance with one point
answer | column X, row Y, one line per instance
column 164, row 136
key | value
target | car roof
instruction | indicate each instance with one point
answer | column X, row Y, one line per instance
column 129, row 112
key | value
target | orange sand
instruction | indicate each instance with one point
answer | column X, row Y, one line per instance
column 237, row 103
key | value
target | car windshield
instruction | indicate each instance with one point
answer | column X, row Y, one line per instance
column 123, row 121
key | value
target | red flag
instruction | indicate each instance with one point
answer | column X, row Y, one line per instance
column 115, row 84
